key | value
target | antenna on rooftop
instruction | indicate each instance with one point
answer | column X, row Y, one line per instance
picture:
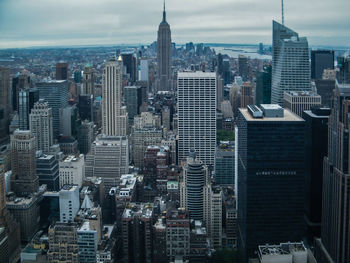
column 282, row 5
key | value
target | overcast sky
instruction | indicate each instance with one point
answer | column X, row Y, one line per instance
column 26, row 23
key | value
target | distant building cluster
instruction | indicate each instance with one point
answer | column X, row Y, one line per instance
column 175, row 153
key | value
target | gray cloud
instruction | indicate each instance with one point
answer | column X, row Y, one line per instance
column 75, row 22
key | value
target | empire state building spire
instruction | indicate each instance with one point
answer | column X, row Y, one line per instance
column 164, row 81
column 164, row 13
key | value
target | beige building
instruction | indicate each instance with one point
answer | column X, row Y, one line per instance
column 63, row 243
column 40, row 124
column 298, row 101
column 24, row 179
column 114, row 116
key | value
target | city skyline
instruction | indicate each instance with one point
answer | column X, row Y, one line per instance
column 107, row 22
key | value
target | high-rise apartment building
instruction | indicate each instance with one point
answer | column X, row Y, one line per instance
column 321, row 60
column 114, row 116
column 69, row 203
column 56, row 94
column 334, row 245
column 247, row 97
column 5, row 101
column 290, row 63
column 137, row 233
column 195, row 175
column 196, row 102
column 87, row 243
column 271, row 177
column 212, row 214
column 108, row 159
column 62, row 71
column 164, row 81
column 23, row 161
column 63, row 243
column 40, row 124
column 177, row 233
column 298, row 101
column 88, row 81
column 72, row 170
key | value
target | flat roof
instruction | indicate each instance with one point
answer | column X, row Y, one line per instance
column 288, row 116
column 195, row 74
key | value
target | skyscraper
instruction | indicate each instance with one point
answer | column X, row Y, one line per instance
column 164, row 55
column 243, row 67
column 321, row 60
column 24, row 179
column 88, row 81
column 40, row 123
column 133, row 100
column 316, row 121
column 290, row 62
column 56, row 94
column 62, row 71
column 114, row 116
column 108, row 159
column 334, row 245
column 271, row 173
column 196, row 99
column 26, row 100
column 263, row 86
column 195, row 175
column 5, row 101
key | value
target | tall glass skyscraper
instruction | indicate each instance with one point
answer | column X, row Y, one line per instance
column 164, row 55
column 271, row 173
column 196, row 97
column 290, row 63
column 56, row 94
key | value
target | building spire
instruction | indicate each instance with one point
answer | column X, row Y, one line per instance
column 164, row 14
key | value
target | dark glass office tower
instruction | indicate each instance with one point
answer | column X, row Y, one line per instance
column 47, row 169
column 325, row 88
column 133, row 101
column 263, row 86
column 85, row 107
column 271, row 177
column 26, row 100
column 334, row 245
column 316, row 144
column 321, row 60
column 62, row 71
column 129, row 61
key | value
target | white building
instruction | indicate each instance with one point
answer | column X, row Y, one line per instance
column 40, row 124
column 114, row 116
column 196, row 101
column 108, row 159
column 72, row 170
column 283, row 253
column 69, row 203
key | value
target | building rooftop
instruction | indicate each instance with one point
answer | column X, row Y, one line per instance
column 288, row 116
column 303, row 93
column 282, row 249
column 196, row 74
column 142, row 210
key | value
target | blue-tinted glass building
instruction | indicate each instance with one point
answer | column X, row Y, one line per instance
column 56, row 94
column 271, row 177
column 47, row 169
column 224, row 164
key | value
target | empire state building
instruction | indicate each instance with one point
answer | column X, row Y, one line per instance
column 164, row 82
